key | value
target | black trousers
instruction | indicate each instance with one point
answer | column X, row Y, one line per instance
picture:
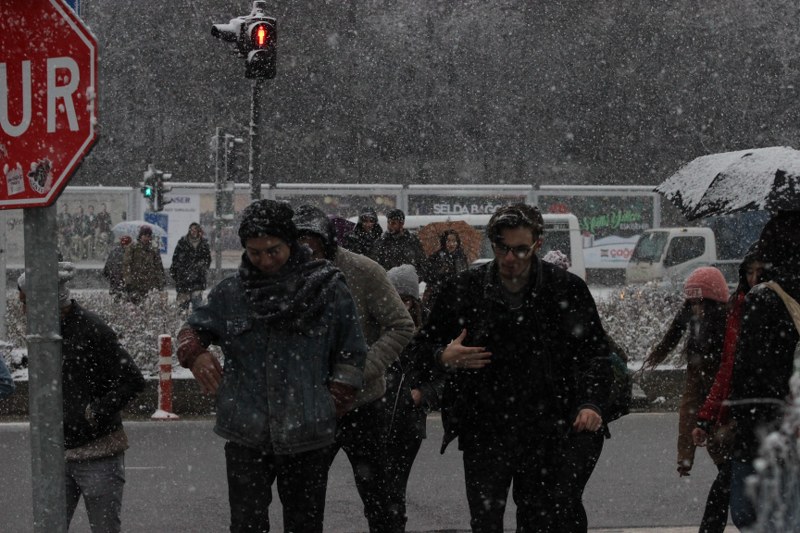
column 715, row 517
column 581, row 453
column 401, row 453
column 302, row 481
column 360, row 433
column 489, row 472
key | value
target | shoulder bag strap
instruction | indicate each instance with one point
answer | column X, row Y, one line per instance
column 791, row 303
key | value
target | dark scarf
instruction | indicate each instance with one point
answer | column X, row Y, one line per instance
column 295, row 296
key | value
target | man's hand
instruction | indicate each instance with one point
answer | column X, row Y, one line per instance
column 343, row 397
column 587, row 420
column 699, row 437
column 416, row 395
column 208, row 372
column 457, row 355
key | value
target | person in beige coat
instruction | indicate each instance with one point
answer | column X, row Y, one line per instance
column 387, row 328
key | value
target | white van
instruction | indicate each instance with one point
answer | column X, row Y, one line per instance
column 561, row 232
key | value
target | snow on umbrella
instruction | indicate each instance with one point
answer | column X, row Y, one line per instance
column 131, row 229
column 747, row 180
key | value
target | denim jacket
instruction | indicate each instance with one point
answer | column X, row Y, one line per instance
column 274, row 392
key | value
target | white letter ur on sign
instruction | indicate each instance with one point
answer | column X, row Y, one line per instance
column 5, row 122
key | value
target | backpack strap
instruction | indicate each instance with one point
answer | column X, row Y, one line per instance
column 791, row 304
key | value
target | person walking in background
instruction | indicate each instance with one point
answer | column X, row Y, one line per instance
column 444, row 264
column 387, row 329
column 412, row 391
column 714, row 428
column 527, row 360
column 189, row 269
column 142, row 268
column 703, row 315
column 366, row 232
column 103, row 235
column 397, row 246
column 294, row 360
column 98, row 379
column 113, row 269
column 764, row 356
column 65, row 226
column 7, row 386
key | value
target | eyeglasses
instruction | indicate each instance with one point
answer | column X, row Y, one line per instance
column 520, row 252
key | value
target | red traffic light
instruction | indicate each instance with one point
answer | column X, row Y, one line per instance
column 260, row 36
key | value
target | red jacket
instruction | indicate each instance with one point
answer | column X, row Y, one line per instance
column 714, row 409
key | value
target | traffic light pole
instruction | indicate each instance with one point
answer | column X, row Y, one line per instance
column 255, row 150
column 44, row 371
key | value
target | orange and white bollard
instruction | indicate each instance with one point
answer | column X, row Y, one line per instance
column 164, row 411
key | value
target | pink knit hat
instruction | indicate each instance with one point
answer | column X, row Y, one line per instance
column 708, row 283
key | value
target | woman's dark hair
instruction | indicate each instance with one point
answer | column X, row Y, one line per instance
column 515, row 216
column 446, row 233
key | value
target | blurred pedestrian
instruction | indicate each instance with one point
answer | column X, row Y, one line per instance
column 387, row 328
column 294, row 359
column 714, row 428
column 527, row 362
column 189, row 269
column 7, row 386
column 98, row 379
column 703, row 318
column 444, row 264
column 366, row 232
column 398, row 246
column 113, row 269
column 412, row 391
column 764, row 357
column 142, row 268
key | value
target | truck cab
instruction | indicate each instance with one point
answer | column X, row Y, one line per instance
column 670, row 254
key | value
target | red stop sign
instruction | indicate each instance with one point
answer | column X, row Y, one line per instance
column 48, row 99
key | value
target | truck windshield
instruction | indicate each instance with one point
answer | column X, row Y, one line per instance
column 650, row 247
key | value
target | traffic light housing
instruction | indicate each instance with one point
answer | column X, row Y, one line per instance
column 148, row 188
column 261, row 56
column 255, row 37
column 161, row 190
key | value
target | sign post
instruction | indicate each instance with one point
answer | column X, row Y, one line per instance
column 48, row 90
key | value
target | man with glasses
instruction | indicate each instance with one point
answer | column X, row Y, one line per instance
column 527, row 364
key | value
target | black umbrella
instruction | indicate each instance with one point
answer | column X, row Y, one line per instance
column 747, row 180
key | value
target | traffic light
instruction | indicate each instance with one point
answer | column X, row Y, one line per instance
column 262, row 54
column 161, row 190
column 148, row 187
column 255, row 37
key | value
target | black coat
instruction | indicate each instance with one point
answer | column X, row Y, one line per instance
column 190, row 265
column 359, row 241
column 763, row 364
column 404, row 249
column 97, row 372
column 550, row 357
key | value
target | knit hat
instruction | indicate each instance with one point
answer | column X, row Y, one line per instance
column 66, row 271
column 405, row 280
column 268, row 217
column 707, row 283
column 368, row 213
column 310, row 219
column 396, row 214
column 558, row 258
column 145, row 230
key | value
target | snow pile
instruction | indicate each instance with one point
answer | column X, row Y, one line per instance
column 637, row 317
column 138, row 326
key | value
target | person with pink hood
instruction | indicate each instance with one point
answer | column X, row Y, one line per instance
column 703, row 315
